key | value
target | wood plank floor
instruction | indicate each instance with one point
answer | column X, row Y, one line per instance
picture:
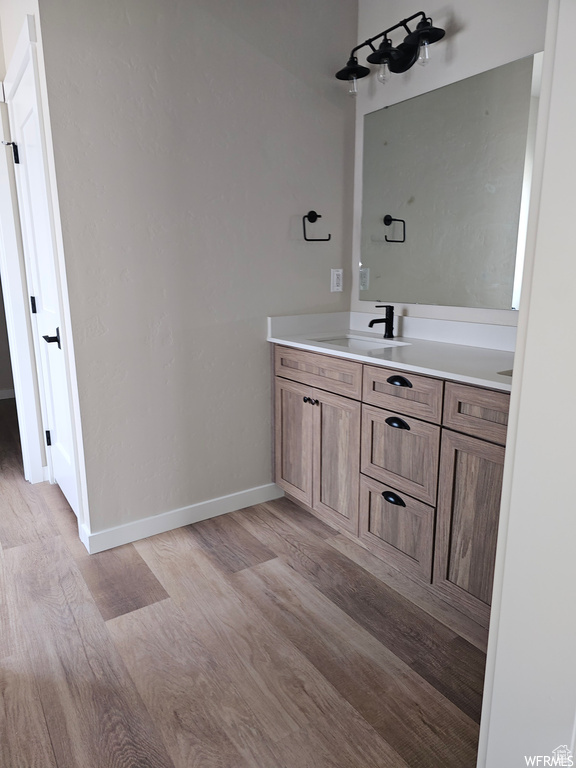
column 261, row 639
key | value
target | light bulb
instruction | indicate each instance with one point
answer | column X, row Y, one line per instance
column 424, row 56
column 352, row 86
column 384, row 72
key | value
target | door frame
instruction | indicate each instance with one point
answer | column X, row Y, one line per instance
column 27, row 382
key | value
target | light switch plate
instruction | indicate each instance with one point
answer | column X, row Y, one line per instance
column 336, row 280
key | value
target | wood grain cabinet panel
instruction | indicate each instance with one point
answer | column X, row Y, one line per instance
column 467, row 522
column 317, row 461
column 405, row 392
column 401, row 452
column 337, row 460
column 343, row 377
column 474, row 411
column 294, row 429
column 398, row 528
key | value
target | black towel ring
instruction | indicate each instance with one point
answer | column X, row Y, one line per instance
column 312, row 217
column 387, row 221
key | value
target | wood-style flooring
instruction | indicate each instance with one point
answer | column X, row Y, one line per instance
column 261, row 639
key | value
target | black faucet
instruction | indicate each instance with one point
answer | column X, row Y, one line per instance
column 389, row 320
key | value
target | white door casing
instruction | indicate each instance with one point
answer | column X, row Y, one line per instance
column 22, row 93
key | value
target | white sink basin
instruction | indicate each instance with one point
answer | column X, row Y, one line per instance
column 356, row 343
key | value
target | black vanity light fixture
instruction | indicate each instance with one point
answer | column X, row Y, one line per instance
column 414, row 48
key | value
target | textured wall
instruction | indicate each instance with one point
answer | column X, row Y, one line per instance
column 190, row 138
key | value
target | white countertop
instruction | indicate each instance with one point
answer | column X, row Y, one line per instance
column 457, row 362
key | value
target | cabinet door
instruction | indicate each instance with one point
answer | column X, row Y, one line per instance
column 294, row 424
column 337, row 460
column 401, row 452
column 397, row 528
column 467, row 522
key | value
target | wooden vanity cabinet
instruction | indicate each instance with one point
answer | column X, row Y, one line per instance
column 470, row 487
column 317, row 435
column 409, row 464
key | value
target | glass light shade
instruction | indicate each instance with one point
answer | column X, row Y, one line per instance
column 424, row 56
column 384, row 72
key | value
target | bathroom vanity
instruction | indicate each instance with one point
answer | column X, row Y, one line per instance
column 405, row 458
column 399, row 443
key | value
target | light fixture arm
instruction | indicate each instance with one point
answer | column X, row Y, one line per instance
column 403, row 23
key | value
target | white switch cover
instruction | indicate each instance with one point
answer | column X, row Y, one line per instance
column 364, row 278
column 336, row 280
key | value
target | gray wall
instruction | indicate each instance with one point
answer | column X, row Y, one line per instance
column 189, row 139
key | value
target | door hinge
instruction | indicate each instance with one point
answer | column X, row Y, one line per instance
column 48, row 438
column 14, row 150
column 33, row 305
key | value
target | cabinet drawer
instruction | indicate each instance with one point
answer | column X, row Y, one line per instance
column 398, row 528
column 401, row 452
column 344, row 377
column 405, row 392
column 478, row 412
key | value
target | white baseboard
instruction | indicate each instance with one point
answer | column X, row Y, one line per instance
column 6, row 394
column 167, row 521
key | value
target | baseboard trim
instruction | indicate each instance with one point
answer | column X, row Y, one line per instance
column 6, row 394
column 167, row 521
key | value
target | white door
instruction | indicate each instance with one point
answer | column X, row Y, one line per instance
column 24, row 105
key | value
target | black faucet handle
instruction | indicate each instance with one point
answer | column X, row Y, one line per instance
column 389, row 320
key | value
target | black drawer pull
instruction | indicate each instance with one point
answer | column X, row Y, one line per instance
column 399, row 381
column 315, row 402
column 306, row 399
column 397, row 423
column 393, row 498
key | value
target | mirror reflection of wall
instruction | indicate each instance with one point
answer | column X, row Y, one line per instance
column 451, row 163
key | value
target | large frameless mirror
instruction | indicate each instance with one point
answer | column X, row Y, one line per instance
column 451, row 170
